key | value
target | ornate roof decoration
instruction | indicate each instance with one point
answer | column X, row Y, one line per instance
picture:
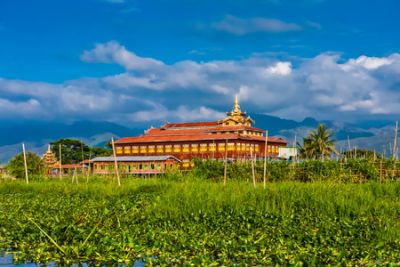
column 49, row 158
column 236, row 116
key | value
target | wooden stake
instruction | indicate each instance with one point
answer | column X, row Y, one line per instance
column 89, row 166
column 115, row 161
column 348, row 143
column 381, row 171
column 25, row 164
column 265, row 159
column 395, row 141
column 226, row 160
column 59, row 154
column 252, row 167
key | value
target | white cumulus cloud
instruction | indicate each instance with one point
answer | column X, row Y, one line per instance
column 150, row 89
column 280, row 68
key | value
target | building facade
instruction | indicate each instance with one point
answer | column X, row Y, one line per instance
column 233, row 138
column 138, row 165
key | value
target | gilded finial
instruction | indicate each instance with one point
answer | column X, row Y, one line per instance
column 236, row 107
column 48, row 148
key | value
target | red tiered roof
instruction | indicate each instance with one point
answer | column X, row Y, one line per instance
column 190, row 124
column 194, row 137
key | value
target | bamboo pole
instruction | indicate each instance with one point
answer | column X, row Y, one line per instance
column 226, row 160
column 348, row 143
column 381, row 171
column 25, row 164
column 115, row 161
column 89, row 166
column 252, row 167
column 395, row 141
column 59, row 155
column 265, row 159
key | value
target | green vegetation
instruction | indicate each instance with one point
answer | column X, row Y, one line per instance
column 15, row 166
column 182, row 219
column 75, row 151
column 318, row 144
column 362, row 154
column 341, row 171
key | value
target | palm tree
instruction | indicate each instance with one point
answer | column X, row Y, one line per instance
column 319, row 144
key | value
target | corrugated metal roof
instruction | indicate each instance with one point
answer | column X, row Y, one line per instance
column 135, row 158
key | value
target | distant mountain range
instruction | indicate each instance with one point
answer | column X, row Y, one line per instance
column 372, row 135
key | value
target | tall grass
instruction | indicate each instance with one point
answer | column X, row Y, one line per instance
column 186, row 219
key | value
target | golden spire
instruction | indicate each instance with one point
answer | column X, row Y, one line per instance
column 236, row 107
column 48, row 148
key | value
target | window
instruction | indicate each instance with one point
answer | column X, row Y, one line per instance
column 212, row 147
column 185, row 148
column 160, row 149
column 186, row 164
column 238, row 147
column 135, row 149
column 151, row 149
column 127, row 150
column 118, row 149
column 243, row 147
column 143, row 149
column 257, row 148
column 168, row 148
column 248, row 147
column 203, row 147
column 195, row 148
column 177, row 148
column 221, row 147
column 231, row 146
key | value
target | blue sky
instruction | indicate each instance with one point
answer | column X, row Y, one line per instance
column 131, row 61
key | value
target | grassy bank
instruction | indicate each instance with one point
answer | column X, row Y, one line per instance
column 201, row 222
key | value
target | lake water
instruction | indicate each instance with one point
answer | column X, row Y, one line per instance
column 7, row 261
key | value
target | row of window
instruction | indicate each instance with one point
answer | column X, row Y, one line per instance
column 253, row 133
column 131, row 167
column 193, row 148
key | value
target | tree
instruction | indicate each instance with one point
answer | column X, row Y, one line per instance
column 75, row 151
column 16, row 168
column 319, row 144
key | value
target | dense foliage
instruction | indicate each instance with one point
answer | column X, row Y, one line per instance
column 196, row 222
column 16, row 168
column 75, row 151
column 344, row 170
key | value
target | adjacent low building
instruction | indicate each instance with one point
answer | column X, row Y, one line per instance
column 134, row 164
